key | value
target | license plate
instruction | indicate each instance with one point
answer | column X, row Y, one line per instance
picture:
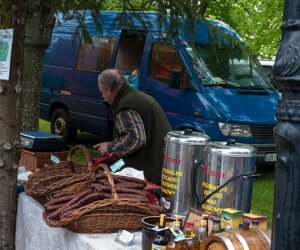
column 270, row 157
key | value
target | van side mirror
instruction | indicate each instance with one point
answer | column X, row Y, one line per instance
column 175, row 78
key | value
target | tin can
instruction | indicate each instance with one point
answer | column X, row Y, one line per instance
column 182, row 150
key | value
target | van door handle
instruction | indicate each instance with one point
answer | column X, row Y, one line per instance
column 148, row 92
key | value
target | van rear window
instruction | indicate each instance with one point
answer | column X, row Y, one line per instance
column 97, row 55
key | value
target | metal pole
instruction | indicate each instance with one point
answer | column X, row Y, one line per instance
column 286, row 74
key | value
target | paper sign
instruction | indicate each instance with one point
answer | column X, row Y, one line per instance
column 6, row 38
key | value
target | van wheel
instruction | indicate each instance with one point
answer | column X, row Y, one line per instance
column 60, row 125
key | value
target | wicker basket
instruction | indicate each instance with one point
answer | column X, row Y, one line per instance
column 63, row 176
column 34, row 160
column 106, row 216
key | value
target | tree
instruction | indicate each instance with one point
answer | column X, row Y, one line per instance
column 39, row 24
column 11, row 16
column 258, row 22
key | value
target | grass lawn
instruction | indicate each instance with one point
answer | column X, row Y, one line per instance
column 263, row 188
column 263, row 192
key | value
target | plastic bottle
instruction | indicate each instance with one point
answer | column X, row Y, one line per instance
column 202, row 234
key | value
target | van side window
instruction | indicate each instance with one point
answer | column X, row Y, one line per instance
column 164, row 58
column 96, row 56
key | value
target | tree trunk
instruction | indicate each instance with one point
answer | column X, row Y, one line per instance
column 39, row 24
column 202, row 7
column 12, row 16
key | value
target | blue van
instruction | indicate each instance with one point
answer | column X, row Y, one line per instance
column 207, row 82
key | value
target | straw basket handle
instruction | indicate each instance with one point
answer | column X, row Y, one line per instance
column 109, row 177
column 85, row 152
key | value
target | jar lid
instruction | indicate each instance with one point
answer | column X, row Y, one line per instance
column 230, row 148
column 189, row 224
column 187, row 136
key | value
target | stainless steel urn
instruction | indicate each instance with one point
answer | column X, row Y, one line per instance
column 183, row 149
column 223, row 161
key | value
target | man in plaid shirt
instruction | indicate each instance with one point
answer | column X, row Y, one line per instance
column 140, row 126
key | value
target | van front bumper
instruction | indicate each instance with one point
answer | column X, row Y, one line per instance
column 265, row 154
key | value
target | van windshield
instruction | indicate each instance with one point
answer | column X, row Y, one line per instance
column 227, row 66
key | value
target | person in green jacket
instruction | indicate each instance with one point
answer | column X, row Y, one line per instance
column 140, row 126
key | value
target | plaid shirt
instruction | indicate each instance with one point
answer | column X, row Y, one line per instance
column 132, row 133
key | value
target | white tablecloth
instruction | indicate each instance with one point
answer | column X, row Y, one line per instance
column 32, row 233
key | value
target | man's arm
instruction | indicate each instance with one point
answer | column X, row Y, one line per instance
column 132, row 135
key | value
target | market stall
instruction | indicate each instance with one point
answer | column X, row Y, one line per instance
column 72, row 205
column 32, row 233
column 84, row 206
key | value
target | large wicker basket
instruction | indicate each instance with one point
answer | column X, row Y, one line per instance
column 106, row 216
column 64, row 176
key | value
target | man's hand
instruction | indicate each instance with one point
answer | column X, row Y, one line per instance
column 102, row 148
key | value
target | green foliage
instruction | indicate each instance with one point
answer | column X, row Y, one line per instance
column 257, row 22
column 135, row 5
column 174, row 9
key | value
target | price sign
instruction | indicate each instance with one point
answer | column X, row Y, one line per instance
column 6, row 38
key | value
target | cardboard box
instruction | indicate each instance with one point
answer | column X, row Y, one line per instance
column 231, row 217
column 194, row 216
column 262, row 219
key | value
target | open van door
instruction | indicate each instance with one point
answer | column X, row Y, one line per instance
column 129, row 54
column 164, row 76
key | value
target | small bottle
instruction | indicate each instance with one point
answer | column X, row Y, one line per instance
column 246, row 224
column 255, row 224
column 203, row 223
column 216, row 226
column 189, row 242
column 189, row 232
column 241, row 226
column 176, row 226
column 202, row 234
column 175, row 244
column 160, row 240
column 205, row 217
column 179, row 219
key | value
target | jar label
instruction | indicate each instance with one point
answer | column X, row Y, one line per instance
column 157, row 247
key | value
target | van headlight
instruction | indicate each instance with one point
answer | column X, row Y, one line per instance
column 235, row 130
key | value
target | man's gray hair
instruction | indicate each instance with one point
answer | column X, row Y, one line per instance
column 111, row 78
